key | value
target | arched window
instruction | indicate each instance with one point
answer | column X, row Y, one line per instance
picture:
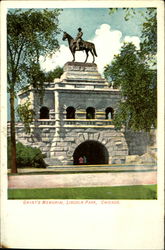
column 44, row 113
column 109, row 113
column 70, row 113
column 90, row 113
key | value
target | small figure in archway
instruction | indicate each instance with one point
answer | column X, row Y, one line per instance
column 81, row 160
column 109, row 115
column 85, row 159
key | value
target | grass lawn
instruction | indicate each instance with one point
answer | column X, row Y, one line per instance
column 122, row 192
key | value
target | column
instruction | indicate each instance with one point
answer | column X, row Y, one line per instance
column 57, row 113
column 32, row 101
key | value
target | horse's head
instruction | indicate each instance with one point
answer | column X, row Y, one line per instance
column 64, row 36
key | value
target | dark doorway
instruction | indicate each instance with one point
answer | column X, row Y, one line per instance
column 90, row 113
column 44, row 113
column 90, row 153
column 70, row 113
column 109, row 113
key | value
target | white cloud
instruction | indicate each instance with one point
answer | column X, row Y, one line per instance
column 57, row 59
column 134, row 39
column 107, row 42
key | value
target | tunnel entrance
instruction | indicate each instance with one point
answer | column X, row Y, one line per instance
column 90, row 153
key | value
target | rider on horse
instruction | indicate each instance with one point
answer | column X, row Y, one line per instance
column 78, row 38
column 82, row 45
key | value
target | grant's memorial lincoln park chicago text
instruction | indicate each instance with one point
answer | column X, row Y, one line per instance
column 73, row 124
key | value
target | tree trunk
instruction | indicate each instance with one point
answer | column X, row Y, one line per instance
column 12, row 133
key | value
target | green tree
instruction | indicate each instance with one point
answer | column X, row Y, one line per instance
column 137, row 109
column 30, row 34
column 51, row 75
column 135, row 74
column 26, row 114
column 148, row 45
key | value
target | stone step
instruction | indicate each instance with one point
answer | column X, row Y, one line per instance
column 105, row 168
column 52, row 161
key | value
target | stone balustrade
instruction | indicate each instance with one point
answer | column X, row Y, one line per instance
column 67, row 122
column 85, row 122
column 41, row 122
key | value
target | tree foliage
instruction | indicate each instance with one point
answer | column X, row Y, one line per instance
column 149, row 34
column 136, row 81
column 51, row 75
column 129, row 12
column 26, row 115
column 148, row 44
column 30, row 34
column 133, row 72
column 26, row 156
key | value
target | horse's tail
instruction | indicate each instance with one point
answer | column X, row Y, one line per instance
column 94, row 50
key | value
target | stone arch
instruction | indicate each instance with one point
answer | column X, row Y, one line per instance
column 109, row 112
column 90, row 152
column 82, row 137
column 90, row 113
column 114, row 142
column 44, row 112
column 70, row 112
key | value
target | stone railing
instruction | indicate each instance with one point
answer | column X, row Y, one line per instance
column 67, row 122
column 73, row 122
column 41, row 122
column 86, row 122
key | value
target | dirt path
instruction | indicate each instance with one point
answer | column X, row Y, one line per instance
column 82, row 180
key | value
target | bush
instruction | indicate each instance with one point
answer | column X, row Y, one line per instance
column 27, row 156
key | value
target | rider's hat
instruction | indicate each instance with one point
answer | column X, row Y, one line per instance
column 79, row 29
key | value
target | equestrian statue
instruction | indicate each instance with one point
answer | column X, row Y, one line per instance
column 79, row 45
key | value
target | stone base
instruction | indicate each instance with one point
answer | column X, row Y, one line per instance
column 147, row 158
column 82, row 64
column 52, row 162
column 80, row 87
column 60, row 150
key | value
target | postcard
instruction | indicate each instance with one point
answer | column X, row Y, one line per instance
column 82, row 124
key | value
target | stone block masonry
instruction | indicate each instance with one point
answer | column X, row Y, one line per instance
column 75, row 120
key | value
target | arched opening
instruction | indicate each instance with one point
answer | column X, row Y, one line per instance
column 109, row 113
column 90, row 153
column 70, row 113
column 44, row 113
column 90, row 113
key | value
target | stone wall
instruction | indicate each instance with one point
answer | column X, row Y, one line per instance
column 62, row 146
column 47, row 101
column 113, row 140
column 81, row 101
column 138, row 142
column 39, row 137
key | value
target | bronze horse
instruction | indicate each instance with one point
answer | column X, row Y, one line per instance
column 84, row 45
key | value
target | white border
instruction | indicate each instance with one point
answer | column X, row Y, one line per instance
column 130, row 225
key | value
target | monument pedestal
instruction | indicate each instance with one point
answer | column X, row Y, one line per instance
column 82, row 105
column 82, row 88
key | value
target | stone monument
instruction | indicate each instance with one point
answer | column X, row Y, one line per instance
column 76, row 118
column 74, row 123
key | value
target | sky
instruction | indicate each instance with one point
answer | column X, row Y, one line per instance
column 107, row 32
